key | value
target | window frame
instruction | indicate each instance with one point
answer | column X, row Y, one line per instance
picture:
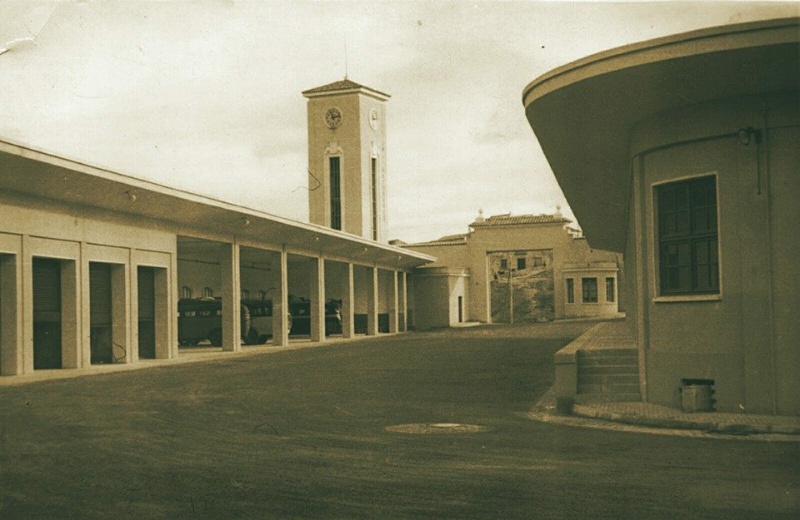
column 335, row 202
column 570, row 289
column 691, row 238
column 585, row 279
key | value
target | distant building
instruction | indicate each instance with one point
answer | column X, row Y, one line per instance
column 513, row 268
column 683, row 153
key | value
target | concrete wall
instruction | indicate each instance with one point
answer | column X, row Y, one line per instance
column 472, row 255
column 34, row 228
column 744, row 338
column 436, row 292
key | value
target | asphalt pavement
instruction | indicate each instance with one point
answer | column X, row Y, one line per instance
column 435, row 424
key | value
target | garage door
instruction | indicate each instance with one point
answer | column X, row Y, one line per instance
column 46, row 313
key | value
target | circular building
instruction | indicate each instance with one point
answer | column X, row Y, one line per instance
column 683, row 153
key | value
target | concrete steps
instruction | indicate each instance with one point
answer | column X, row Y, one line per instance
column 608, row 375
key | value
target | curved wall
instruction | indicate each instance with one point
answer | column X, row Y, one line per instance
column 743, row 337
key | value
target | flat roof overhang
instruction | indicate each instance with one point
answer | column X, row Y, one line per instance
column 41, row 175
column 583, row 113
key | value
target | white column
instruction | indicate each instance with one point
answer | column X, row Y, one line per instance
column 172, row 290
column 75, row 346
column 372, row 301
column 231, row 297
column 26, row 361
column 11, row 344
column 165, row 312
column 317, row 290
column 280, row 305
column 404, row 301
column 133, row 308
column 394, row 319
column 348, row 309
column 122, row 346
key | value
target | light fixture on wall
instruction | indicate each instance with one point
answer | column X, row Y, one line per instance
column 131, row 196
column 745, row 135
column 245, row 221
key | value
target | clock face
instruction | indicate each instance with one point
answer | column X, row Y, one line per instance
column 373, row 119
column 333, row 117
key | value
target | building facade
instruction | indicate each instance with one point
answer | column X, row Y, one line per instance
column 515, row 267
column 697, row 167
column 98, row 268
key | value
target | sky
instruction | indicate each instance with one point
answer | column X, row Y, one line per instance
column 205, row 96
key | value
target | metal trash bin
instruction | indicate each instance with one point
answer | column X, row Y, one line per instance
column 697, row 398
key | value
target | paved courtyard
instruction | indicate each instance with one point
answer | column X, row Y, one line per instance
column 423, row 425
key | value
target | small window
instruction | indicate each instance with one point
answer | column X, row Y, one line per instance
column 186, row 292
column 520, row 263
column 245, row 294
column 687, row 237
column 570, row 290
column 262, row 294
column 503, row 263
column 589, row 290
column 336, row 192
column 610, row 290
column 208, row 292
column 374, row 171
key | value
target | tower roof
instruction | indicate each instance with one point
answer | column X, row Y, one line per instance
column 345, row 86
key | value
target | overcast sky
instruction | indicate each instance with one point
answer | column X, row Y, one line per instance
column 205, row 95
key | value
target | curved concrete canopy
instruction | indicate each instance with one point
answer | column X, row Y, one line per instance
column 583, row 113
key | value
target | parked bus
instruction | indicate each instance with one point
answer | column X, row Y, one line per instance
column 201, row 320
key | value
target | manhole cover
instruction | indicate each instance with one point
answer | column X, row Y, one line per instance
column 435, row 428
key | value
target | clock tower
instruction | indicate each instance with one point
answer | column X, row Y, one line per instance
column 347, row 158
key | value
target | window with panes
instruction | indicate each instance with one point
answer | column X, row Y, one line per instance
column 687, row 237
column 589, row 290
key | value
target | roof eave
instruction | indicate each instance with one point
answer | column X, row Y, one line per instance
column 366, row 91
column 584, row 125
column 104, row 189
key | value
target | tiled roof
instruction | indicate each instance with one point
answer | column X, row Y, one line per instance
column 344, row 85
column 508, row 220
column 449, row 240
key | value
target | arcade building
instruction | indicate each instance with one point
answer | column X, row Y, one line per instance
column 97, row 267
